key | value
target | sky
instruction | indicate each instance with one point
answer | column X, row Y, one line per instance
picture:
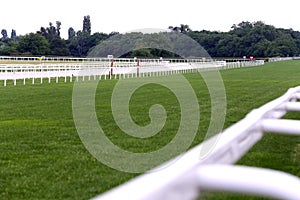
column 27, row 16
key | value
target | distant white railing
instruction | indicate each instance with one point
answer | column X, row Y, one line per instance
column 188, row 176
column 105, row 68
column 94, row 59
column 47, row 59
column 240, row 64
column 283, row 59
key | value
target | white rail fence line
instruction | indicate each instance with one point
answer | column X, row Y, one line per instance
column 108, row 69
column 240, row 64
column 50, row 59
column 188, row 176
column 283, row 59
column 97, row 59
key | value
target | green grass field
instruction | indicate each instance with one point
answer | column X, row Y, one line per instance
column 42, row 156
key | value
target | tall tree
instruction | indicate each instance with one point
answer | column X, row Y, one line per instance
column 183, row 28
column 58, row 46
column 51, row 32
column 4, row 34
column 87, row 24
column 79, row 45
column 13, row 34
column 71, row 33
column 58, row 27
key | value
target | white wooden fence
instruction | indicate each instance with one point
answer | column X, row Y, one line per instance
column 104, row 68
column 276, row 59
column 189, row 176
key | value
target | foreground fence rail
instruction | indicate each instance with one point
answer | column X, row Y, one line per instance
column 189, row 176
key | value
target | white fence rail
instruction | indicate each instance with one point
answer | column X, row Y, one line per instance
column 109, row 69
column 240, row 64
column 187, row 177
column 283, row 59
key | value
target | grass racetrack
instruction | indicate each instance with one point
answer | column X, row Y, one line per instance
column 42, row 156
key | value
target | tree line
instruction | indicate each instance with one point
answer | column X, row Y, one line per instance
column 48, row 41
column 244, row 39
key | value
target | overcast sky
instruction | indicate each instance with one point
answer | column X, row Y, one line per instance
column 125, row 15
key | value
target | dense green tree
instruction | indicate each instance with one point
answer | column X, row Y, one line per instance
column 82, row 42
column 245, row 39
column 9, row 47
column 261, row 49
column 209, row 40
column 241, row 28
column 34, row 44
column 58, row 46
column 154, row 45
column 96, row 38
column 284, row 46
column 228, row 46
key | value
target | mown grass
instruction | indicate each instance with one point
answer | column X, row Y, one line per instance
column 42, row 156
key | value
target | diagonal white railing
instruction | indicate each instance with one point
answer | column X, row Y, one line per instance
column 187, row 176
